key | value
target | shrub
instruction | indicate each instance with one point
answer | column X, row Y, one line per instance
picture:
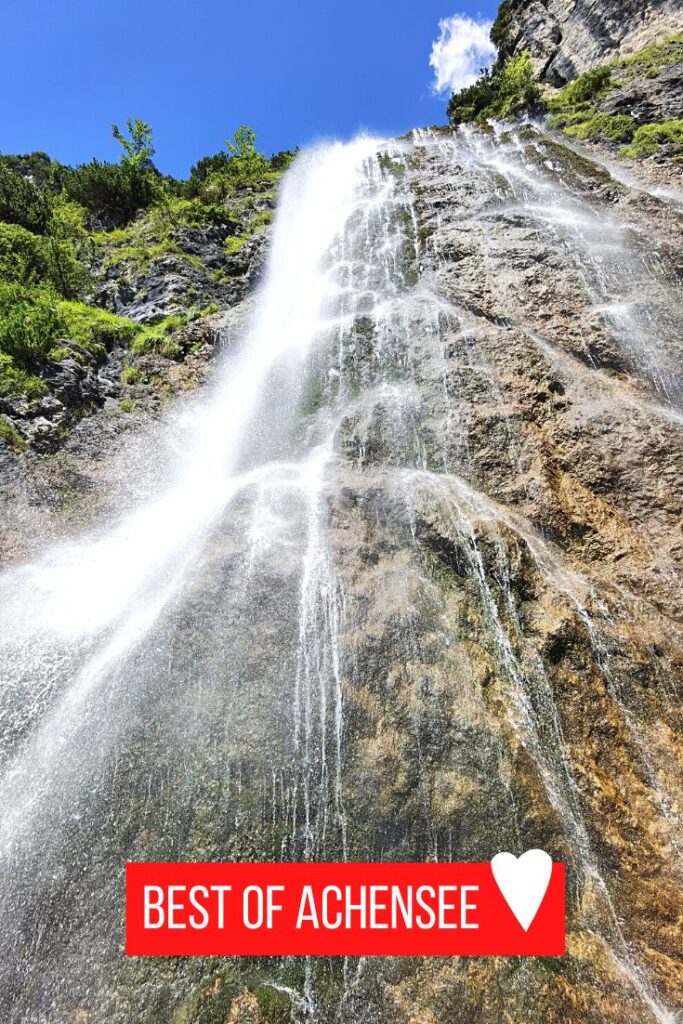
column 159, row 337
column 9, row 435
column 22, row 202
column 653, row 59
column 473, row 101
column 31, row 259
column 501, row 26
column 38, row 167
column 15, row 382
column 516, row 88
column 29, row 322
column 585, row 88
column 650, row 138
column 246, row 164
column 131, row 375
column 67, row 248
column 615, row 127
column 503, row 93
column 214, row 178
column 284, row 159
column 204, row 168
column 22, row 255
column 112, row 194
column 95, row 329
column 138, row 148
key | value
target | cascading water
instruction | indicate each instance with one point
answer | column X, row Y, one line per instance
column 354, row 619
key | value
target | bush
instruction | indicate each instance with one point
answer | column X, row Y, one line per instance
column 38, row 167
column 15, row 382
column 284, row 159
column 160, row 336
column 29, row 323
column 22, row 255
column 472, row 102
column 654, row 59
column 205, row 167
column 503, row 93
column 112, row 194
column 584, row 89
column 137, row 146
column 501, row 26
column 615, row 127
column 30, row 259
column 95, row 329
column 22, row 202
column 214, row 178
column 516, row 88
column 12, row 437
column 649, row 139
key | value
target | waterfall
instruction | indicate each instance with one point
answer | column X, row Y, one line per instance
column 333, row 623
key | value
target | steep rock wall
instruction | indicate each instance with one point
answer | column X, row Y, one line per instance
column 490, row 595
column 567, row 37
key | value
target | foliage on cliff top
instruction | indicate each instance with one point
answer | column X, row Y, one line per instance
column 58, row 224
column 500, row 31
column 499, row 94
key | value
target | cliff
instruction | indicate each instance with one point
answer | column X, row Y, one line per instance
column 610, row 75
column 566, row 38
column 439, row 617
column 402, row 581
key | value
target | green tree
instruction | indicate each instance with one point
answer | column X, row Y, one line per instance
column 505, row 92
column 67, row 247
column 246, row 164
column 138, row 147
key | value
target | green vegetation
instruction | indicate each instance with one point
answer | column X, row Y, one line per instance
column 29, row 323
column 215, row 178
column 649, row 139
column 576, row 109
column 95, row 329
column 583, row 89
column 9, row 435
column 510, row 88
column 160, row 338
column 500, row 94
column 654, row 59
column 60, row 226
column 138, row 148
column 501, row 26
column 131, row 375
column 15, row 382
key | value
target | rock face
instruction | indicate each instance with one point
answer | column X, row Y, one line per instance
column 441, row 618
column 174, row 284
column 567, row 37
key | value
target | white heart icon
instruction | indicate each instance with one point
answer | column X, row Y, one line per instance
column 523, row 881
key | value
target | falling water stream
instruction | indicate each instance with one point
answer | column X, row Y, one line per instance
column 186, row 681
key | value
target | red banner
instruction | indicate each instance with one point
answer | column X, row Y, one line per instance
column 342, row 909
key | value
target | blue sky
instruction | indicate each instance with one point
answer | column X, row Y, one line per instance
column 294, row 71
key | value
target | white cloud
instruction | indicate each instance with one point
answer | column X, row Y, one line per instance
column 461, row 51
